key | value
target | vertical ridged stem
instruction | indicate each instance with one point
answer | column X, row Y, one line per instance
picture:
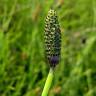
column 48, row 83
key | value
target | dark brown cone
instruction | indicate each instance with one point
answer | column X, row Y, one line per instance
column 52, row 38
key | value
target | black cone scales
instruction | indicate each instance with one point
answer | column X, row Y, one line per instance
column 52, row 38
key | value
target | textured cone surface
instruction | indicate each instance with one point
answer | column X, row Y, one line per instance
column 52, row 38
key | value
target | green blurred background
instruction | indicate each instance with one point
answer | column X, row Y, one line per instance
column 23, row 69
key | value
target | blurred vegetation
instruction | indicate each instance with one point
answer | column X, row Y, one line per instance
column 23, row 69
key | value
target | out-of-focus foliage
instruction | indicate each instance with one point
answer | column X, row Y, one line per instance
column 23, row 69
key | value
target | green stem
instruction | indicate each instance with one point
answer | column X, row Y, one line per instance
column 48, row 83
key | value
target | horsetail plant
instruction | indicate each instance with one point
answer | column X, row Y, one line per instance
column 52, row 46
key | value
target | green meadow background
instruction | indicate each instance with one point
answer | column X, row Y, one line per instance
column 23, row 70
